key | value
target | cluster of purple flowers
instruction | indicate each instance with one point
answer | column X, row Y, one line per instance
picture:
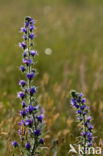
column 82, row 112
column 30, row 130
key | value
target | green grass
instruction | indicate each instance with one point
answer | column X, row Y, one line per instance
column 74, row 32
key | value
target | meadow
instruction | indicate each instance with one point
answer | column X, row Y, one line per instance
column 70, row 44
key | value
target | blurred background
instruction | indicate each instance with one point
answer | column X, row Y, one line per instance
column 70, row 45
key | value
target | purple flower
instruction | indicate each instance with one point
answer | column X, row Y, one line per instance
column 80, row 95
column 30, row 75
column 32, row 27
column 41, row 141
column 22, row 68
column 28, row 62
column 83, row 100
column 25, row 37
column 90, row 139
column 73, row 102
column 83, row 133
column 21, row 95
column 28, row 19
column 27, row 146
column 80, row 118
column 31, row 114
column 32, row 22
column 32, row 91
column 26, row 24
column 40, row 118
column 31, row 36
column 30, row 108
column 29, row 123
column 22, row 83
column 22, row 122
column 89, row 118
column 89, row 134
column 15, row 144
column 90, row 127
column 89, row 144
column 36, row 108
column 23, row 113
column 19, row 132
column 22, row 45
column 82, row 115
column 85, row 112
column 33, row 53
column 25, row 54
column 78, row 111
column 37, row 132
column 23, row 29
column 23, row 104
column 82, row 107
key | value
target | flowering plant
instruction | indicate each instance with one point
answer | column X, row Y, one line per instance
column 82, row 113
column 31, row 125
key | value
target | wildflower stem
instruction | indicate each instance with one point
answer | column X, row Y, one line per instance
column 84, row 127
column 35, row 137
column 30, row 126
column 82, row 110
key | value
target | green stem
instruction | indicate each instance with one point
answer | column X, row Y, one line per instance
column 29, row 86
column 84, row 127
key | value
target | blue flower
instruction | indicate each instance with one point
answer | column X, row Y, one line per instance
column 27, row 146
column 33, row 53
column 30, row 75
column 15, row 144
column 41, row 141
column 26, row 24
column 22, row 83
column 90, row 144
column 32, row 27
column 29, row 122
column 31, row 36
column 22, row 122
column 40, row 118
column 90, row 127
column 21, row 95
column 23, row 113
column 28, row 19
column 89, row 118
column 37, row 132
column 32, row 91
column 73, row 102
column 30, row 108
column 22, row 68
column 25, row 54
column 79, row 112
column 23, row 104
column 36, row 108
column 83, row 133
column 82, row 107
column 83, row 100
column 22, row 45
column 25, row 37
column 19, row 132
column 28, row 62
column 23, row 29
